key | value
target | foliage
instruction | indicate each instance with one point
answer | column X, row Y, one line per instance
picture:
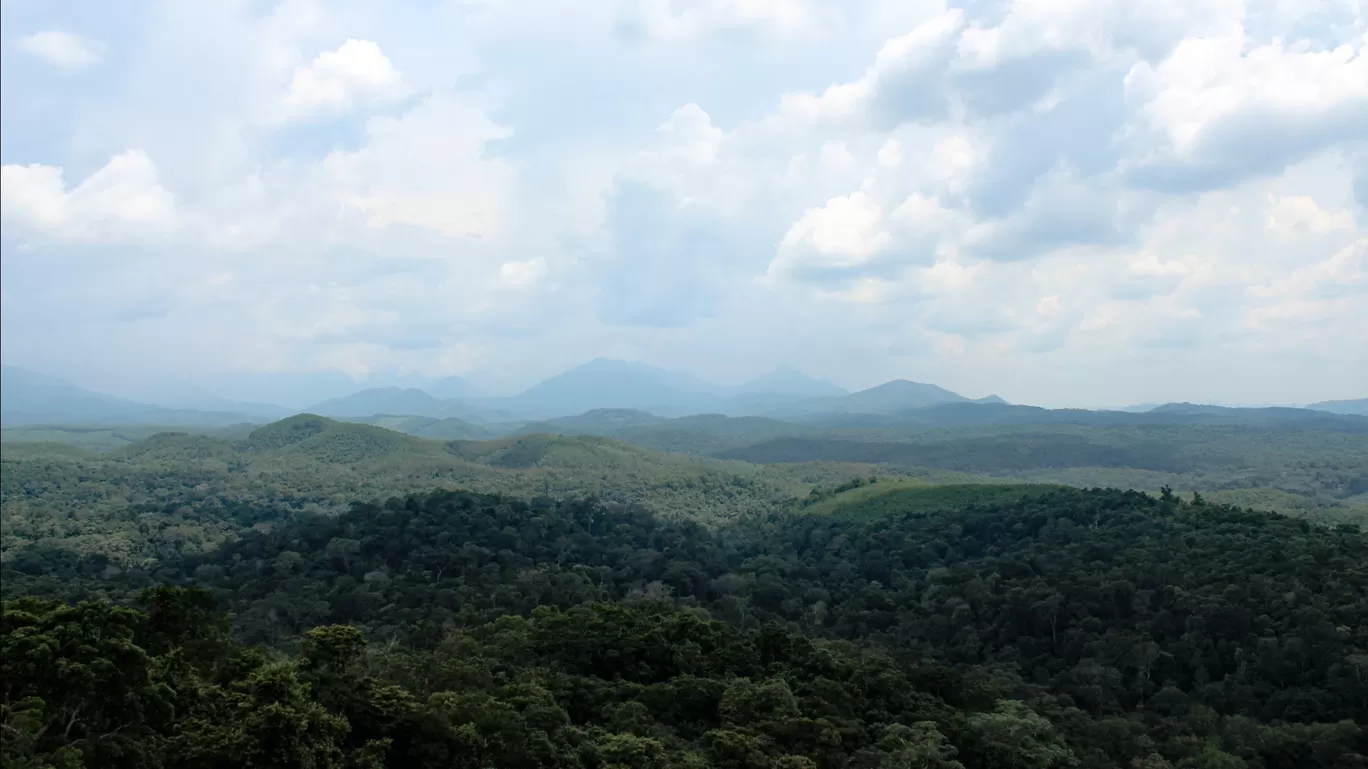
column 1129, row 628
column 1318, row 473
column 180, row 493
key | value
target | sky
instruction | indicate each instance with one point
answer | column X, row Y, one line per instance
column 1064, row 202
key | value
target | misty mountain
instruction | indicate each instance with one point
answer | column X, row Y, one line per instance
column 610, row 384
column 177, row 394
column 978, row 413
column 787, row 380
column 396, row 401
column 1357, row 406
column 888, row 398
column 30, row 398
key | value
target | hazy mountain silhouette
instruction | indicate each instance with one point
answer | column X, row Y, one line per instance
column 29, row 398
column 787, row 380
column 610, row 384
column 888, row 398
column 1357, row 406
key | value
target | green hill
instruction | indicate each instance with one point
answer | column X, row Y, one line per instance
column 448, row 429
column 176, row 492
column 98, row 438
column 1319, row 474
column 909, row 497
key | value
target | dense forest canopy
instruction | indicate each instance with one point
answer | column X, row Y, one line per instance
column 315, row 593
column 1307, row 468
column 905, row 626
column 176, row 492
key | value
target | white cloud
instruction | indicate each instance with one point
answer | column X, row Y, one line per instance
column 122, row 201
column 1225, row 107
column 675, row 21
column 62, row 49
column 903, row 83
column 846, row 232
column 356, row 74
column 427, row 168
column 1291, row 213
column 1041, row 193
column 519, row 274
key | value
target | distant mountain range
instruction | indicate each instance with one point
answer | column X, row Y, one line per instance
column 889, row 398
column 615, row 384
column 607, row 396
column 1358, row 406
column 29, row 398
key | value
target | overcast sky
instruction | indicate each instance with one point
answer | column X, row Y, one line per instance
column 1082, row 202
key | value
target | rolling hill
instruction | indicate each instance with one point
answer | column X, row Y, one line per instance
column 448, row 429
column 595, row 422
column 204, row 489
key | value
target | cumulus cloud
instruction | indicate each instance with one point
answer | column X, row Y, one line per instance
column 121, row 201
column 904, row 82
column 357, row 73
column 1224, row 108
column 427, row 168
column 62, row 49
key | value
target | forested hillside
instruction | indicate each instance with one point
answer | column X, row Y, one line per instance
column 179, row 492
column 1320, row 474
column 876, row 626
column 1296, row 461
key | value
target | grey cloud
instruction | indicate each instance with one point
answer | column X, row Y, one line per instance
column 1359, row 163
column 987, row 13
column 916, row 88
column 1140, row 287
column 1077, row 132
column 970, row 320
column 1053, row 219
column 1254, row 143
column 400, row 336
column 910, row 96
column 1016, row 83
column 313, row 140
column 1047, row 341
column 667, row 266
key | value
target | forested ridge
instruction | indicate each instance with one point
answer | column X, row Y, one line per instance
column 934, row 627
column 1319, row 471
column 177, row 492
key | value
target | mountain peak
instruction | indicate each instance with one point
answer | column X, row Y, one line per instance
column 786, row 379
column 393, row 400
column 607, row 383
